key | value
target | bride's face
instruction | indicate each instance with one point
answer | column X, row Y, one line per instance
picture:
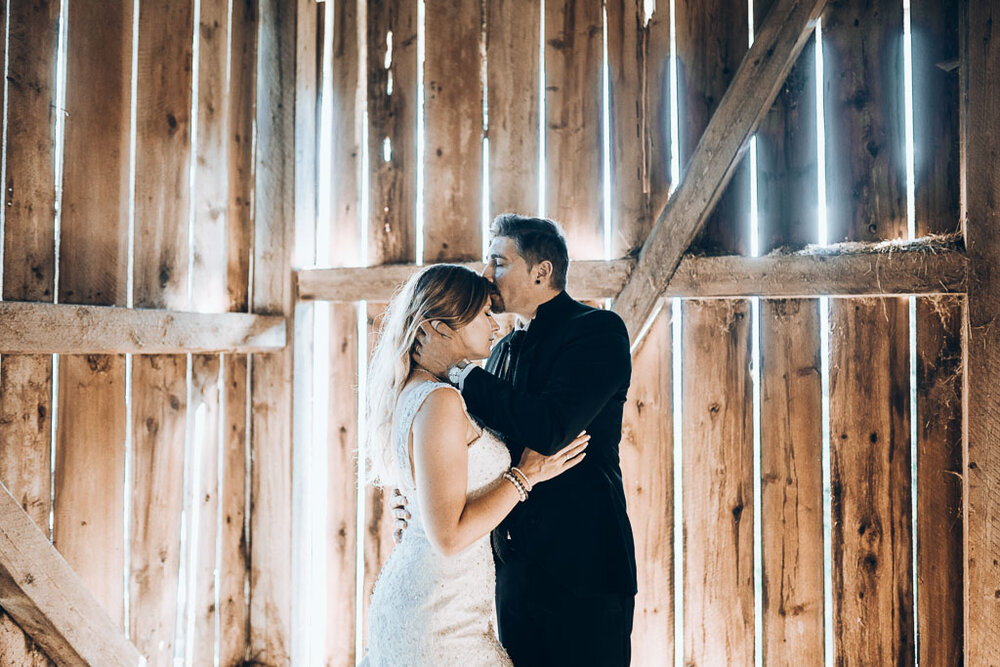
column 477, row 336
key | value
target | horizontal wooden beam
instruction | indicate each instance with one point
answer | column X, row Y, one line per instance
column 48, row 600
column 749, row 97
column 921, row 267
column 45, row 328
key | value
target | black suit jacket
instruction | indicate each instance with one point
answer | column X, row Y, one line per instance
column 572, row 373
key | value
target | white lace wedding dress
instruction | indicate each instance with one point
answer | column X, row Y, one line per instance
column 426, row 608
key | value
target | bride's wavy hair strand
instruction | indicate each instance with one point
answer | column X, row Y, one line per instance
column 448, row 293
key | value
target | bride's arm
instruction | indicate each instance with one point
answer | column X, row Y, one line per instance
column 441, row 465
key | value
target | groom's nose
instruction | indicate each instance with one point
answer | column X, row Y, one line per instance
column 488, row 271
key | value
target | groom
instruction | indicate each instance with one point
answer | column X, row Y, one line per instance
column 565, row 558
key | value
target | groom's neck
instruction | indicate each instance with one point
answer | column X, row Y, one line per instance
column 542, row 297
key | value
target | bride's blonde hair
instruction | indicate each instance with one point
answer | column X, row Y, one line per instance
column 448, row 293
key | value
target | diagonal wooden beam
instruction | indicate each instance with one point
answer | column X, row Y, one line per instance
column 49, row 601
column 754, row 87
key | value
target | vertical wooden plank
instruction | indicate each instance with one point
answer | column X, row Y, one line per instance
column 159, row 383
column 939, row 517
column 28, row 271
column 348, row 81
column 512, row 73
column 718, row 397
column 791, row 482
column 234, row 545
column 453, row 131
column 630, row 218
column 342, row 483
column 93, row 265
column 791, row 387
column 981, row 431
column 392, row 126
column 656, row 110
column 210, row 270
column 718, row 484
column 574, row 150
column 347, row 130
column 869, row 340
column 271, row 381
column 647, row 459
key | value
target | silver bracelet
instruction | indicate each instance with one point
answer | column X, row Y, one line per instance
column 528, row 486
column 517, row 485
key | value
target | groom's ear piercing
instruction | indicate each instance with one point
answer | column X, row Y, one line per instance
column 537, row 281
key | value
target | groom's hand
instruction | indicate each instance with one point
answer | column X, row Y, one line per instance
column 400, row 515
column 437, row 345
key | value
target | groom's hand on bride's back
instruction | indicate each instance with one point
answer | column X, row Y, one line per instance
column 400, row 515
column 433, row 350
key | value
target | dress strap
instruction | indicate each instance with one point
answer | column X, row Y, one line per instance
column 404, row 425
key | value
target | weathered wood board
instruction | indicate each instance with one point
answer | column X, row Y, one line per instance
column 93, row 267
column 718, row 397
column 28, row 271
column 869, row 340
column 512, row 83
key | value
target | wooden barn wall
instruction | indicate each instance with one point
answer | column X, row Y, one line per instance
column 138, row 463
column 863, row 525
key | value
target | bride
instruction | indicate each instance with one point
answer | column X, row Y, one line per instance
column 433, row 601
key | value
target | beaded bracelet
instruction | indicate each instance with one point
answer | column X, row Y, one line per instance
column 517, row 485
column 524, row 478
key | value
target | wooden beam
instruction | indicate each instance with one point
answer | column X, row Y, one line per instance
column 981, row 391
column 847, row 270
column 48, row 600
column 747, row 100
column 45, row 328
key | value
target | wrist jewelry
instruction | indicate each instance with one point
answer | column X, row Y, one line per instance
column 524, row 478
column 455, row 372
column 517, row 485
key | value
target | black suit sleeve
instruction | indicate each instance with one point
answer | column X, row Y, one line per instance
column 590, row 366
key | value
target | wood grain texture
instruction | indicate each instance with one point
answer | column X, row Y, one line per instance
column 342, row 483
column 791, row 482
column 512, row 73
column 719, row 613
column 630, row 219
column 349, row 47
column 234, row 542
column 718, row 484
column 791, row 388
column 656, row 112
column 93, row 264
column 574, row 150
column 754, row 87
column 210, row 272
column 41, row 591
column 67, row 329
column 869, row 340
column 453, row 131
column 163, row 153
column 239, row 148
column 271, row 374
column 28, row 271
column 981, row 136
column 939, row 519
column 870, row 483
column 863, row 271
column 159, row 410
column 392, row 124
column 712, row 40
column 647, row 460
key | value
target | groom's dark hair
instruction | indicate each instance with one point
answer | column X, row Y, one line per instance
column 537, row 240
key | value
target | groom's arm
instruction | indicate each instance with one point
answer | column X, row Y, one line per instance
column 589, row 368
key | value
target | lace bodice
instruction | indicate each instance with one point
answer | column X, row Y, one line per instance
column 427, row 608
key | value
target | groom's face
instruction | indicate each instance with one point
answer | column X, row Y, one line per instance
column 506, row 269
